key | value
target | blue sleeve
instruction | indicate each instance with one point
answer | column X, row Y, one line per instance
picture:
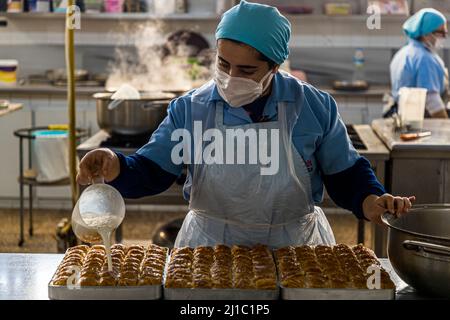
column 140, row 177
column 335, row 152
column 160, row 146
column 429, row 75
column 349, row 188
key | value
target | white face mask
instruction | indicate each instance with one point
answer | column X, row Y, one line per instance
column 438, row 43
column 238, row 92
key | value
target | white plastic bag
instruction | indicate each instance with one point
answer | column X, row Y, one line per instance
column 50, row 155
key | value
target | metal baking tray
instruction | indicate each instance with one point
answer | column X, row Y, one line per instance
column 105, row 293
column 336, row 294
column 219, row 294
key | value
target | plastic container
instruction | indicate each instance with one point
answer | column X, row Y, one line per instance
column 15, row 6
column 43, row 6
column 101, row 207
column 98, row 212
column 59, row 6
column 113, row 6
column 81, row 230
column 93, row 6
column 8, row 72
column 358, row 65
column 180, row 6
column 164, row 7
column 32, row 5
column 338, row 8
column 3, row 5
column 203, row 7
column 101, row 201
column 411, row 107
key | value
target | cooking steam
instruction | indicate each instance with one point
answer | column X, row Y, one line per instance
column 147, row 66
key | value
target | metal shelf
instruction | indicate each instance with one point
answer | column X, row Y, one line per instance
column 329, row 35
column 111, row 16
column 188, row 16
column 346, row 18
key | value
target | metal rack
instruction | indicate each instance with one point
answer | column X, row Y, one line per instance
column 27, row 134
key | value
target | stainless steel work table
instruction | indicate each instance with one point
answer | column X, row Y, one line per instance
column 420, row 167
column 439, row 141
column 26, row 277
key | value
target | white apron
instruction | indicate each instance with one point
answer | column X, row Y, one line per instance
column 235, row 204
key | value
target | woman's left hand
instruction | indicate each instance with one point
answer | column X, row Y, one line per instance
column 374, row 207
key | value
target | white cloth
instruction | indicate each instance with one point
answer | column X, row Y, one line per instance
column 434, row 103
column 50, row 156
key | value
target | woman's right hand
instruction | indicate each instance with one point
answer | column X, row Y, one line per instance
column 100, row 162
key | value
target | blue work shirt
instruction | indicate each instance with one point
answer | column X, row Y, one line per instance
column 416, row 66
column 319, row 136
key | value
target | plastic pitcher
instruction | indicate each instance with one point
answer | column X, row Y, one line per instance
column 101, row 209
column 411, row 107
column 81, row 230
column 101, row 206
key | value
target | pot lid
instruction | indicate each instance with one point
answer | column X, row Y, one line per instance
column 147, row 96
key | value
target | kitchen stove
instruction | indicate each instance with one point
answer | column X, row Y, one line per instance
column 119, row 141
column 355, row 138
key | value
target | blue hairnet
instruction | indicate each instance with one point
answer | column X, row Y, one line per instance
column 423, row 22
column 259, row 26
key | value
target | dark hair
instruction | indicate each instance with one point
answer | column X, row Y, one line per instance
column 262, row 56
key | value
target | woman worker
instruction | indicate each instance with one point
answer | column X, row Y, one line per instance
column 236, row 203
column 418, row 65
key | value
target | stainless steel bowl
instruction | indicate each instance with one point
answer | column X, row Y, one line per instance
column 132, row 117
column 419, row 248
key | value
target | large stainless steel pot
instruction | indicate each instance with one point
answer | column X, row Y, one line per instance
column 419, row 248
column 132, row 117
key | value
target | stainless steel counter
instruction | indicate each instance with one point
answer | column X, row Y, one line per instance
column 420, row 167
column 438, row 141
column 26, row 277
column 376, row 150
column 373, row 91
